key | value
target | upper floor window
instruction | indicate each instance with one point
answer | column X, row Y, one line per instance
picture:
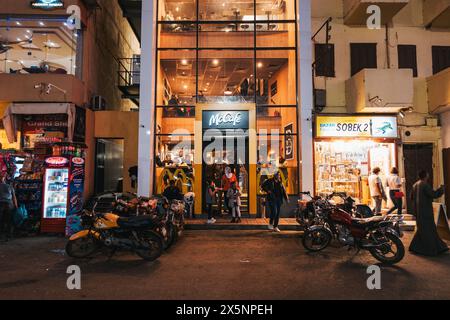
column 363, row 56
column 44, row 45
column 441, row 58
column 407, row 58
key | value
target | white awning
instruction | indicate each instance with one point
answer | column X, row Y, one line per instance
column 9, row 121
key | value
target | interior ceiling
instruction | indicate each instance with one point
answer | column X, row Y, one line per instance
column 218, row 9
column 215, row 76
column 33, row 43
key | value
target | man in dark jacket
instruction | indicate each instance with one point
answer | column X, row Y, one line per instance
column 172, row 192
column 8, row 202
column 426, row 241
column 276, row 196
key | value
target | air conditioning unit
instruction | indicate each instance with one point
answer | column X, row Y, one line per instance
column 98, row 103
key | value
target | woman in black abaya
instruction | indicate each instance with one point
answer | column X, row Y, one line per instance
column 426, row 241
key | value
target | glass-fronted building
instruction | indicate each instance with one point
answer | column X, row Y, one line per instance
column 226, row 95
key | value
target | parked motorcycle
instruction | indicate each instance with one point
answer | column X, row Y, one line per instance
column 170, row 214
column 379, row 235
column 136, row 234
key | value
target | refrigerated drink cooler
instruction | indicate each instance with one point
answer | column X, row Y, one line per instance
column 63, row 192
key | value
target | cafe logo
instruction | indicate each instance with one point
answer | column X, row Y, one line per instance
column 225, row 118
column 47, row 4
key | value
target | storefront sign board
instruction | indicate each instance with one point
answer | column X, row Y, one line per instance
column 356, row 126
column 225, row 120
column 47, row 4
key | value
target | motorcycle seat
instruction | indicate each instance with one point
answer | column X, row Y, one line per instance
column 136, row 222
column 364, row 222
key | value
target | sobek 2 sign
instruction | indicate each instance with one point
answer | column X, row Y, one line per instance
column 47, row 4
column 356, row 126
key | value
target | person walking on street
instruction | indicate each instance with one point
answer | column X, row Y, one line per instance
column 276, row 196
column 8, row 202
column 234, row 202
column 376, row 190
column 426, row 240
column 210, row 200
column 227, row 179
column 394, row 184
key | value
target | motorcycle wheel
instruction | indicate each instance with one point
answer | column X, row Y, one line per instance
column 316, row 240
column 382, row 253
column 82, row 247
column 172, row 236
column 153, row 247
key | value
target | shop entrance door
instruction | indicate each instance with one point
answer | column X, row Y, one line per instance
column 417, row 157
column 109, row 165
column 221, row 149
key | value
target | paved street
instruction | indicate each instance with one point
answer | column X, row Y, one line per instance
column 218, row 265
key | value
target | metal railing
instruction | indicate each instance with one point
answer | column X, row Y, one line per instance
column 129, row 71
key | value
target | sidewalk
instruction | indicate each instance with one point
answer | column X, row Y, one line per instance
column 286, row 224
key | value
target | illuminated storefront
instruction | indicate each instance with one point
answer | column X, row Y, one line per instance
column 227, row 72
column 347, row 148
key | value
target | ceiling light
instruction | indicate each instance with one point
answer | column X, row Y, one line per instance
column 185, row 86
column 41, row 23
column 259, row 64
column 18, row 39
column 28, row 31
column 215, row 62
column 207, row 83
column 177, row 9
column 228, row 92
column 184, row 62
column 18, row 23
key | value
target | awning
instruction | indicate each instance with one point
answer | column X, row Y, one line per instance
column 9, row 121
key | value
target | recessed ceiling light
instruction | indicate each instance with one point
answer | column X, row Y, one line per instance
column 41, row 23
column 185, row 86
column 215, row 62
column 259, row 64
column 28, row 31
column 177, row 9
column 184, row 62
column 18, row 39
column 18, row 23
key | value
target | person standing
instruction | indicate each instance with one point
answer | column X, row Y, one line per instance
column 234, row 202
column 276, row 195
column 210, row 200
column 172, row 192
column 227, row 179
column 426, row 240
column 8, row 202
column 394, row 184
column 376, row 190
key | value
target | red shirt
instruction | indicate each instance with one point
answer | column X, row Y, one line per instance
column 226, row 183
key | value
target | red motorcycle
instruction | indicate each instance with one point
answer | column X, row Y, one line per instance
column 379, row 235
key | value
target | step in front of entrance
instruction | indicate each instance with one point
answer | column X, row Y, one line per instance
column 286, row 224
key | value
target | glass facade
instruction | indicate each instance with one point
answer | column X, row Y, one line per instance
column 39, row 45
column 228, row 55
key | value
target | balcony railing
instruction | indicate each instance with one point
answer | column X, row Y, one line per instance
column 355, row 11
column 372, row 90
column 439, row 92
column 129, row 76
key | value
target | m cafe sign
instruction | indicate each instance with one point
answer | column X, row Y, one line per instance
column 356, row 127
column 47, row 4
column 225, row 119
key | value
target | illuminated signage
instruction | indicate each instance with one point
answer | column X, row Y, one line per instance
column 354, row 126
column 57, row 161
column 225, row 119
column 47, row 4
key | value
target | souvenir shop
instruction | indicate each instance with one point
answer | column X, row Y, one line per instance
column 46, row 167
column 348, row 148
